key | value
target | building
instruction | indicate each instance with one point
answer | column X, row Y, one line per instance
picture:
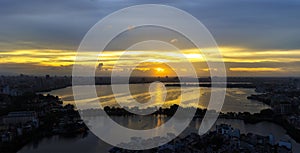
column 21, row 118
column 5, row 101
column 285, row 144
column 284, row 108
column 271, row 140
column 296, row 83
column 225, row 129
column 7, row 137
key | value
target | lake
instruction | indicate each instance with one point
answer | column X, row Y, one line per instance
column 235, row 101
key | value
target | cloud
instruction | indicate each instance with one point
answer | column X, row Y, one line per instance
column 261, row 28
column 62, row 24
column 174, row 40
column 255, row 69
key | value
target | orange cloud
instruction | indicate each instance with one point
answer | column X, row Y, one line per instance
column 254, row 69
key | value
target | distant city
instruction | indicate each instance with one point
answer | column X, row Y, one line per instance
column 27, row 115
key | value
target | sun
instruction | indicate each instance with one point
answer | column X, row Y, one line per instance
column 159, row 69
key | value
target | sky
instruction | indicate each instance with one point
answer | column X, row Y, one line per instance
column 255, row 37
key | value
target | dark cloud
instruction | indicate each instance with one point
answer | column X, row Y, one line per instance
column 61, row 24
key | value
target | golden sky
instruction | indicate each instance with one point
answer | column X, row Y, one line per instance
column 238, row 61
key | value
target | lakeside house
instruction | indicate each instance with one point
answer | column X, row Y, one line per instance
column 224, row 139
column 21, row 117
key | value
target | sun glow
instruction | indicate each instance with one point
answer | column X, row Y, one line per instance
column 159, row 69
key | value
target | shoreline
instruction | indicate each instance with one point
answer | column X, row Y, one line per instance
column 170, row 84
column 41, row 134
column 278, row 120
